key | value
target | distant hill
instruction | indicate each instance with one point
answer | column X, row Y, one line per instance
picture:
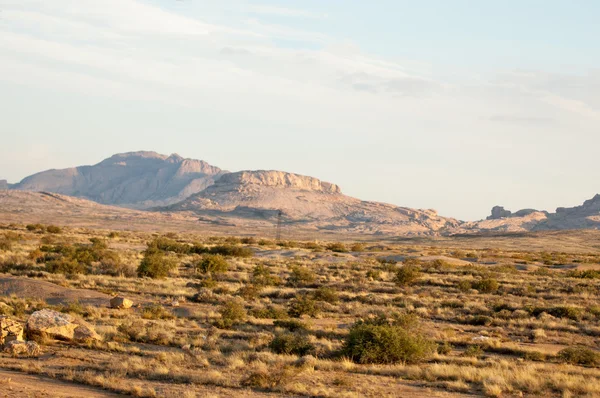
column 253, row 199
column 135, row 179
column 586, row 216
column 260, row 195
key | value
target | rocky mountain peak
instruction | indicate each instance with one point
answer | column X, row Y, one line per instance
column 272, row 178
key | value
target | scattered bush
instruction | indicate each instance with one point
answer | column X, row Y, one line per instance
column 232, row 313
column 156, row 311
column 579, row 356
column 156, row 264
column 326, row 294
column 213, row 264
column 291, row 343
column 486, row 285
column 407, row 275
column 303, row 304
column 385, row 341
column 300, row 276
column 232, row 251
column 337, row 247
column 292, row 325
column 53, row 229
column 261, row 276
column 249, row 292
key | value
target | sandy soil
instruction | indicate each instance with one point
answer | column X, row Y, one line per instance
column 20, row 385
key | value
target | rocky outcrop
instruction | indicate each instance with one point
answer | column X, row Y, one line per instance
column 134, row 179
column 57, row 325
column 10, row 330
column 18, row 348
column 120, row 303
column 259, row 197
column 499, row 212
column 279, row 179
column 3, row 184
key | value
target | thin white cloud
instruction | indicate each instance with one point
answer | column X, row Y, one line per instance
column 284, row 12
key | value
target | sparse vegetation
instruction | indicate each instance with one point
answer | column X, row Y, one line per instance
column 209, row 313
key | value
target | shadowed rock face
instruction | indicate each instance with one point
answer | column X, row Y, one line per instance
column 134, row 179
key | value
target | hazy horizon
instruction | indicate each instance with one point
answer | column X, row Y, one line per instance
column 456, row 107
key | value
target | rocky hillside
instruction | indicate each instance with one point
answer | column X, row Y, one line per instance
column 135, row 179
column 586, row 216
column 307, row 201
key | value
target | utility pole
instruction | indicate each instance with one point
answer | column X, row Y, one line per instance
column 278, row 234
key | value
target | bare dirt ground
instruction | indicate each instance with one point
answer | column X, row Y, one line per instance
column 21, row 385
column 49, row 292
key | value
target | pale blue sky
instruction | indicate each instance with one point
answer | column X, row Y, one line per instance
column 453, row 105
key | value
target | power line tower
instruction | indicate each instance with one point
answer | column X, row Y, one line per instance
column 278, row 234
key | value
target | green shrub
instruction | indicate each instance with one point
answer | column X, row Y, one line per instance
column 156, row 264
column 270, row 312
column 156, row 311
column 486, row 285
column 53, row 229
column 407, row 275
column 445, row 349
column 249, row 292
column 261, row 276
column 473, row 351
column 579, row 356
column 562, row 311
column 293, row 325
column 232, row 251
column 212, row 264
column 65, row 266
column 374, row 274
column 337, row 247
column 300, row 276
column 584, row 274
column 326, row 294
column 464, row 286
column 303, row 305
column 232, row 313
column 291, row 344
column 384, row 341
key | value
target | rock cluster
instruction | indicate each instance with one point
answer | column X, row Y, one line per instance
column 53, row 324
column 11, row 339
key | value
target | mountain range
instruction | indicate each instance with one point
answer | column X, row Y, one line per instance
column 246, row 199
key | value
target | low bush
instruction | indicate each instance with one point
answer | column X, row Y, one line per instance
column 156, row 264
column 301, row 276
column 326, row 294
column 387, row 341
column 303, row 304
column 291, row 343
column 407, row 275
column 337, row 247
column 213, row 264
column 579, row 356
column 261, row 276
column 486, row 285
column 232, row 313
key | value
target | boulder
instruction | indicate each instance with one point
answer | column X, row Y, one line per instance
column 84, row 333
column 120, row 302
column 56, row 325
column 22, row 348
column 10, row 330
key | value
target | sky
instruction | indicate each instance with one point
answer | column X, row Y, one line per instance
column 451, row 105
